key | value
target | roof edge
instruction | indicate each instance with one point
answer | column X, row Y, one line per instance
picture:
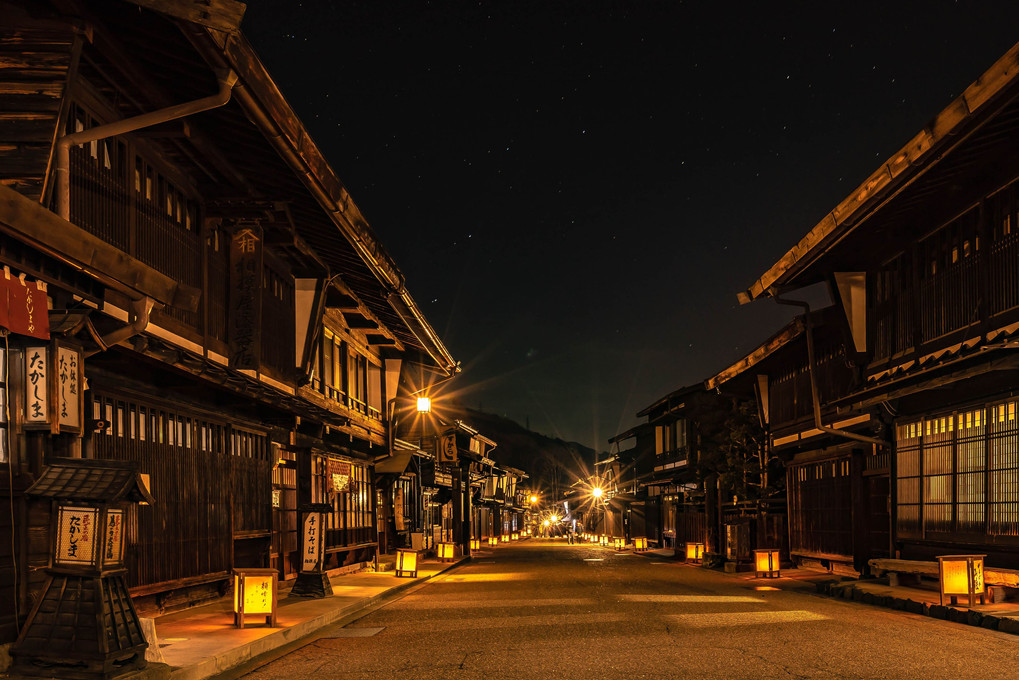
column 925, row 146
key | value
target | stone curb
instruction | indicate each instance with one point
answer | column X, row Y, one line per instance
column 238, row 655
column 971, row 617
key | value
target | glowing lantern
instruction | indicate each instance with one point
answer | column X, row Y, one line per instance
column 493, row 541
column 766, row 563
column 961, row 575
column 515, row 536
column 424, row 405
column 407, row 563
column 619, row 543
column 603, row 540
column 694, row 552
column 255, row 593
column 504, row 538
column 446, row 551
column 475, row 544
column 640, row 544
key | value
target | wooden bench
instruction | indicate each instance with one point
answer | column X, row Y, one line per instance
column 993, row 576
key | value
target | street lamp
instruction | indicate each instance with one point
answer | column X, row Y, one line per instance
column 534, row 499
column 424, row 405
column 597, row 492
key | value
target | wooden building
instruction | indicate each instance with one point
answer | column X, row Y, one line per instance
column 923, row 261
column 681, row 502
column 190, row 288
column 632, row 457
column 835, row 493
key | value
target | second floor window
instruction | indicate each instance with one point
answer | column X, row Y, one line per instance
column 671, row 438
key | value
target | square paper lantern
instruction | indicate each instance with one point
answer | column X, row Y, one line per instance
column 446, row 551
column 961, row 575
column 504, row 538
column 640, row 544
column 255, row 593
column 619, row 543
column 407, row 563
column 475, row 544
column 493, row 541
column 766, row 563
column 514, row 536
column 603, row 540
column 694, row 552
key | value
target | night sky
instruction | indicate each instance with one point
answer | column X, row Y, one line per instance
column 576, row 191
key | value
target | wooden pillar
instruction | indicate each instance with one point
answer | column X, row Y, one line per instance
column 858, row 503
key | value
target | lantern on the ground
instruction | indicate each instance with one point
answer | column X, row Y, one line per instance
column 504, row 538
column 493, row 541
column 515, row 536
column 961, row 575
column 640, row 544
column 407, row 563
column 694, row 552
column 445, row 551
column 766, row 563
column 603, row 540
column 619, row 543
column 255, row 593
column 475, row 544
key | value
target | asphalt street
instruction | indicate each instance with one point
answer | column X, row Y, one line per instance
column 542, row 609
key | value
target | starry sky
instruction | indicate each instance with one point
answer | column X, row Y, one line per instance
column 576, row 191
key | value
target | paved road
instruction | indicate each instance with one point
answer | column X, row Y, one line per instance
column 550, row 610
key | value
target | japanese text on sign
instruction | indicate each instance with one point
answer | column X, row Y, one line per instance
column 68, row 387
column 312, row 541
column 36, row 387
column 113, row 545
column 76, row 541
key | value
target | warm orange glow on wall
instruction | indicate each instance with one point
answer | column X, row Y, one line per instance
column 766, row 563
column 694, row 552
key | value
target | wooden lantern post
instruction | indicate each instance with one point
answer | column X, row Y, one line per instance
column 84, row 625
column 313, row 581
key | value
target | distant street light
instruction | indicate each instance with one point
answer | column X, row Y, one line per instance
column 534, row 499
column 424, row 405
column 597, row 492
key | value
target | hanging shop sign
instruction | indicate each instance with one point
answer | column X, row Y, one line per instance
column 23, row 306
column 447, row 448
column 443, row 479
column 245, row 298
column 53, row 387
column 68, row 394
column 37, row 393
column 339, row 476
column 398, row 508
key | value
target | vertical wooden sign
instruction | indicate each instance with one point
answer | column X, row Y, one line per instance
column 245, row 297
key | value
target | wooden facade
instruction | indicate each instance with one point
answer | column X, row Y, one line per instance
column 243, row 335
column 922, row 263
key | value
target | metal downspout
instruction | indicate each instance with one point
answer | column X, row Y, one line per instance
column 142, row 307
column 63, row 161
column 814, row 392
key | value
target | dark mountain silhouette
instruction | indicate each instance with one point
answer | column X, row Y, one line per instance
column 552, row 464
